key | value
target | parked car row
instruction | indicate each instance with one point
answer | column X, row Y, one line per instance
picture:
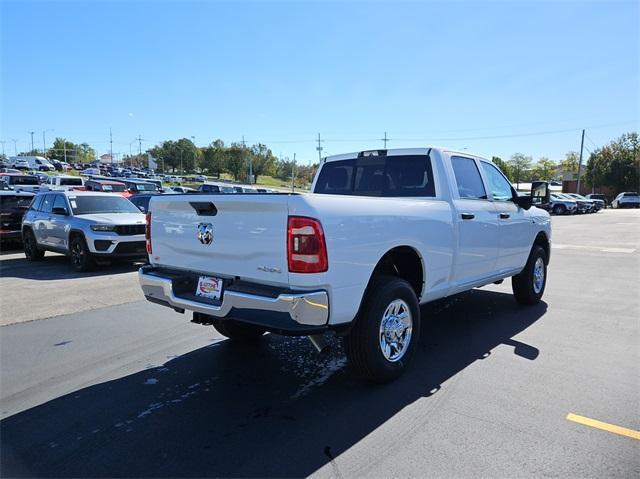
column 573, row 203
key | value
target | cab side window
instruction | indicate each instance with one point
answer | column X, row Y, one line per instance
column 468, row 178
column 498, row 185
column 60, row 202
column 47, row 203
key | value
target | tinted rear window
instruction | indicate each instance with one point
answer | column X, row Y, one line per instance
column 11, row 202
column 408, row 175
column 70, row 181
column 631, row 194
column 23, row 180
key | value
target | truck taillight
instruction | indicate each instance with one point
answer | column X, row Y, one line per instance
column 147, row 233
column 306, row 247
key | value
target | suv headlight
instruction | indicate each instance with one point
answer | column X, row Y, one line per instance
column 103, row 227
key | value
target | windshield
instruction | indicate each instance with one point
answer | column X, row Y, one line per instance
column 114, row 188
column 145, row 187
column 86, row 205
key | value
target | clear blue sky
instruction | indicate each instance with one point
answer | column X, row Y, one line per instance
column 449, row 74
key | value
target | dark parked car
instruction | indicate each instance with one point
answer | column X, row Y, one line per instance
column 136, row 187
column 142, row 200
column 13, row 205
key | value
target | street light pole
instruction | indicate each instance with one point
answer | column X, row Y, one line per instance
column 32, row 132
column 44, row 141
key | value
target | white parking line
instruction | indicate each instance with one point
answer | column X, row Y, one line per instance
column 601, row 249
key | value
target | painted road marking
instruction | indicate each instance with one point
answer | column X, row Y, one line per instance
column 600, row 249
column 623, row 431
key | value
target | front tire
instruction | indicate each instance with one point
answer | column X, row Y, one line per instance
column 80, row 256
column 237, row 331
column 528, row 285
column 385, row 335
column 559, row 209
column 30, row 247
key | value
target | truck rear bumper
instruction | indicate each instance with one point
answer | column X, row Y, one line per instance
column 286, row 311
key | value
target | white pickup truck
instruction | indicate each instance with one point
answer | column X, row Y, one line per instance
column 383, row 232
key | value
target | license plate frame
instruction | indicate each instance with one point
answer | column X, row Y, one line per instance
column 209, row 287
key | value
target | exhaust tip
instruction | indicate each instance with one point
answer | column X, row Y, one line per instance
column 320, row 343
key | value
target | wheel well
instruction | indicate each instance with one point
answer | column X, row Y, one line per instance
column 75, row 233
column 403, row 262
column 542, row 241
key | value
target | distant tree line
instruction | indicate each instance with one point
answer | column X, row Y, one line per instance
column 616, row 165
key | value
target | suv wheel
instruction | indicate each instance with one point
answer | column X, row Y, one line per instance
column 528, row 285
column 80, row 257
column 30, row 246
column 386, row 333
column 559, row 209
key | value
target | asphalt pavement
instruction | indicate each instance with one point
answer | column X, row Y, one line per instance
column 135, row 390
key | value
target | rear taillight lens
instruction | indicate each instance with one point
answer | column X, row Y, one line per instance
column 306, row 248
column 147, row 233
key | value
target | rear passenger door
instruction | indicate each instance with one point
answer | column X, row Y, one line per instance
column 42, row 222
column 477, row 221
column 515, row 226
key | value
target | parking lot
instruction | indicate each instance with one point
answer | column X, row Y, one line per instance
column 95, row 381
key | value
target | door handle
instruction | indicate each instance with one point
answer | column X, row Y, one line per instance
column 504, row 216
column 467, row 216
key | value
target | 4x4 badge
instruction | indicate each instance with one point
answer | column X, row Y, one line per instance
column 205, row 233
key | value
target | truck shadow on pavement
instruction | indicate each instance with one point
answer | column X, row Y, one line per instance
column 57, row 266
column 275, row 410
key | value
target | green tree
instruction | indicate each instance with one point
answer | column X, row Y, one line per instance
column 214, row 158
column 544, row 170
column 84, row 153
column 61, row 150
column 616, row 164
column 181, row 155
column 520, row 166
column 263, row 161
column 237, row 163
column 503, row 166
column 570, row 163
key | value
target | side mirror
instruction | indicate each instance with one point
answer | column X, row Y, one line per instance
column 59, row 211
column 524, row 202
column 540, row 194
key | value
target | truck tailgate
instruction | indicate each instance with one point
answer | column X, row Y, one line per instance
column 249, row 235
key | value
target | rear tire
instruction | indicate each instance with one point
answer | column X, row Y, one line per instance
column 80, row 256
column 528, row 286
column 385, row 335
column 237, row 331
column 30, row 247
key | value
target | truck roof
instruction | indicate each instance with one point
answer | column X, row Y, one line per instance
column 397, row 152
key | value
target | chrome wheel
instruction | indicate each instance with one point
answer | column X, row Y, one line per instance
column 395, row 330
column 538, row 275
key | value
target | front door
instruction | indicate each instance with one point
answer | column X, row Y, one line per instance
column 515, row 225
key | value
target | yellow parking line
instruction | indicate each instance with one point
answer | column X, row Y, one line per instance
column 623, row 431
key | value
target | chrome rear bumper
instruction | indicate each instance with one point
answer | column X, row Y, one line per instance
column 308, row 308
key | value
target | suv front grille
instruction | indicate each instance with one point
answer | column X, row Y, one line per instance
column 130, row 229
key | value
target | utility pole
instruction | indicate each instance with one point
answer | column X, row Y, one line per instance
column 385, row 139
column 3, row 142
column 65, row 149
column 111, row 145
column 319, row 148
column 32, row 132
column 250, row 162
column 44, row 142
column 293, row 174
column 580, row 163
column 15, row 146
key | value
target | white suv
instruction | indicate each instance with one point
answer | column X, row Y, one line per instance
column 627, row 199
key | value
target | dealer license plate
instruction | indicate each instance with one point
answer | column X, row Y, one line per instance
column 209, row 287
